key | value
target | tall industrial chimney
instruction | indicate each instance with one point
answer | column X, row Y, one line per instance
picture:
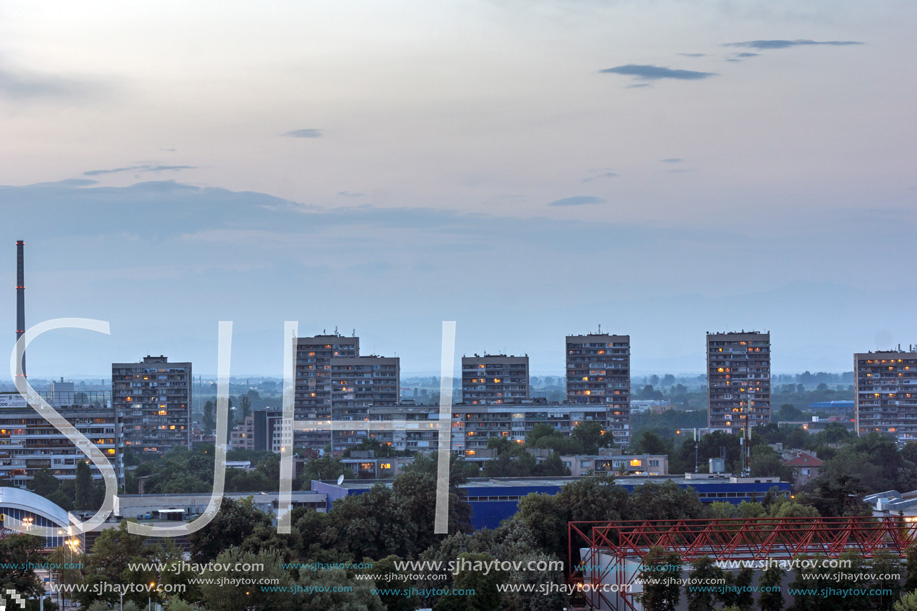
column 20, row 299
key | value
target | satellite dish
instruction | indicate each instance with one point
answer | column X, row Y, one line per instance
column 340, row 480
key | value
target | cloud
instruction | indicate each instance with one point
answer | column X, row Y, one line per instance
column 67, row 182
column 350, row 194
column 672, row 160
column 638, row 85
column 598, row 174
column 577, row 200
column 16, row 86
column 653, row 73
column 692, row 54
column 26, row 86
column 169, row 168
column 738, row 57
column 112, row 171
column 141, row 168
column 784, row 44
column 304, row 133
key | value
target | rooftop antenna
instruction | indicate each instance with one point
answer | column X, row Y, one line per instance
column 335, row 329
column 353, row 333
column 600, row 328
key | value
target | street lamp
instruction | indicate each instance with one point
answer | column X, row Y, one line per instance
column 149, row 599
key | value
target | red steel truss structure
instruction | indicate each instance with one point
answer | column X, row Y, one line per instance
column 749, row 539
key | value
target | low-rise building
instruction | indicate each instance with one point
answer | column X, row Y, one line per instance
column 472, row 426
column 365, row 465
column 29, row 443
column 188, row 506
column 623, row 465
column 242, row 436
column 804, row 463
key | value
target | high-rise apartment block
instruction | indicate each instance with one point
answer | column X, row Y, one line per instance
column 313, row 371
column 886, row 393
column 494, row 379
column 738, row 380
column 598, row 373
column 359, row 382
column 153, row 401
column 334, row 382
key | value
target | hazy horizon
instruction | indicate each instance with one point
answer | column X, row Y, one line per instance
column 529, row 170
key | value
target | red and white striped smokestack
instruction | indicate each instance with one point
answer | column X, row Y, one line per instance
column 20, row 298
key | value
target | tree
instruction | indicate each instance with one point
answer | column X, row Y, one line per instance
column 660, row 574
column 234, row 522
column 590, row 436
column 246, row 404
column 327, row 594
column 216, row 596
column 62, row 559
column 839, row 495
column 541, row 431
column 18, row 554
column 873, row 462
column 83, row 486
column 209, row 421
column 512, row 459
column 648, row 442
column 546, row 516
column 43, row 483
column 787, row 508
column 769, row 585
column 393, row 599
column 649, row 392
column 415, row 493
column 788, row 413
column 743, row 599
column 700, row 596
column 326, row 467
column 315, row 537
column 512, row 541
column 665, row 501
column 885, row 563
column 908, row 602
column 486, row 595
column 553, row 466
column 765, row 462
column 910, row 569
column 115, row 558
column 374, row 525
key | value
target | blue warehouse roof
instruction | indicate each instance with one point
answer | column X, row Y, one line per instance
column 494, row 499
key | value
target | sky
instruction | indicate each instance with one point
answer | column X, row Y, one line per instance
column 528, row 169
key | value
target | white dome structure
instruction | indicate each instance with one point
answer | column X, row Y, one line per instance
column 24, row 509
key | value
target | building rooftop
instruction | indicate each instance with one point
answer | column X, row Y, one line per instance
column 533, row 482
column 803, row 460
column 29, row 501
